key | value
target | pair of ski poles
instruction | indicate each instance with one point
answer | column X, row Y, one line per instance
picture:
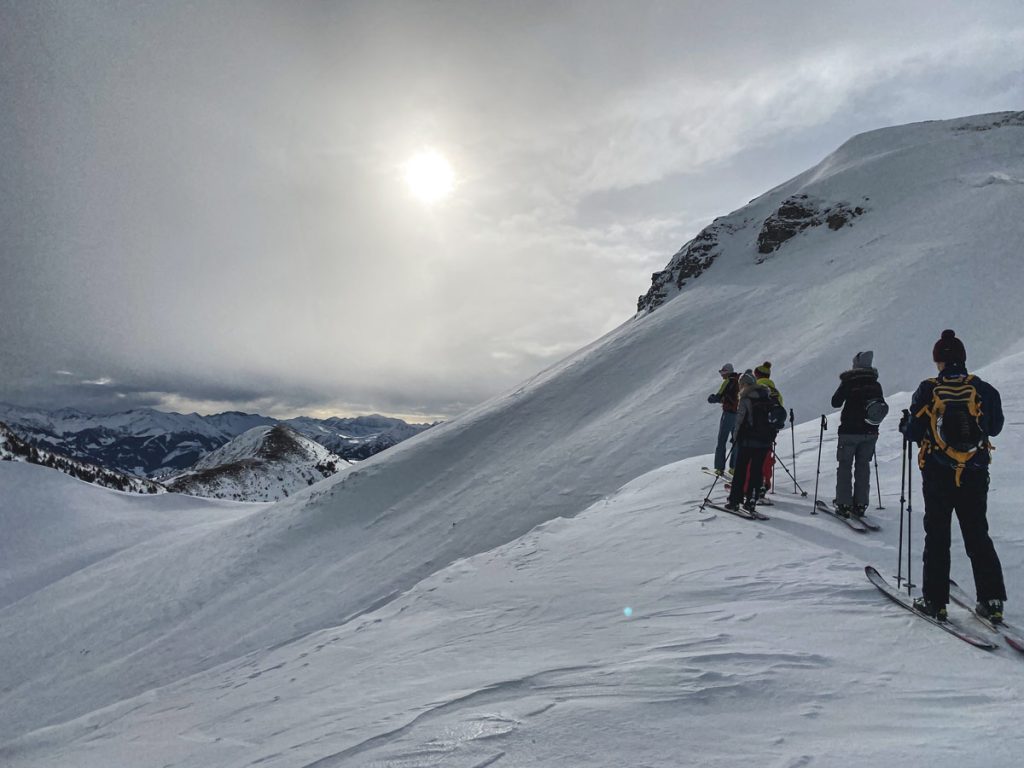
column 817, row 476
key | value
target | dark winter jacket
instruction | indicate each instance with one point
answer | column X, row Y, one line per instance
column 918, row 427
column 728, row 393
column 744, row 434
column 857, row 387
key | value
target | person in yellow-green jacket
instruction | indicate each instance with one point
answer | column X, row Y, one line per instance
column 763, row 375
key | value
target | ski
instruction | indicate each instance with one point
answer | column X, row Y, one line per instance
column 739, row 512
column 902, row 598
column 852, row 522
column 710, row 471
column 1009, row 633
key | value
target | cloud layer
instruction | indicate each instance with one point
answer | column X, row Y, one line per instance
column 204, row 208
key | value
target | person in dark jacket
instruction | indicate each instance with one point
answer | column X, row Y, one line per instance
column 857, row 435
column 955, row 476
column 753, row 439
column 728, row 395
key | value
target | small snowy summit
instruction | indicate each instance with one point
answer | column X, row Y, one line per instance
column 535, row 582
column 266, row 463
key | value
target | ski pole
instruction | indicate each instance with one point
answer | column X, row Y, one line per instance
column 910, row 520
column 717, row 478
column 821, row 437
column 903, row 501
column 795, row 483
column 792, row 439
column 877, row 486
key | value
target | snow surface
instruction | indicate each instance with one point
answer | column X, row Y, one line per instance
column 460, row 599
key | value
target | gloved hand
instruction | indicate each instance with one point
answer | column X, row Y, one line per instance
column 905, row 422
column 714, row 398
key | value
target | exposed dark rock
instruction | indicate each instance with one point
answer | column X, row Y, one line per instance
column 798, row 213
column 689, row 262
column 1015, row 119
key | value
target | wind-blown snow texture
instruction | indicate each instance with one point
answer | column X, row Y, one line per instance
column 458, row 600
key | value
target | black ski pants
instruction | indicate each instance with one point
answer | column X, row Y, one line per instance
column 970, row 502
column 749, row 469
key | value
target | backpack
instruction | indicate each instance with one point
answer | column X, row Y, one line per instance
column 954, row 419
column 777, row 414
column 760, row 427
column 875, row 411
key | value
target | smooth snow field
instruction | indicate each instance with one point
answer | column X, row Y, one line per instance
column 461, row 600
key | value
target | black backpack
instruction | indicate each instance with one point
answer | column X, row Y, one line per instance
column 954, row 421
column 777, row 414
column 760, row 426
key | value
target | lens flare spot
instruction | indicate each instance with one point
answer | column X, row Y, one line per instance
column 627, row 611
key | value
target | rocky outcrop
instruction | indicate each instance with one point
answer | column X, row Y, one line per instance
column 1015, row 119
column 800, row 212
column 689, row 262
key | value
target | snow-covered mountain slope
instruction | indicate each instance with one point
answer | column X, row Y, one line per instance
column 935, row 248
column 13, row 448
column 147, row 442
column 745, row 644
column 55, row 526
column 262, row 464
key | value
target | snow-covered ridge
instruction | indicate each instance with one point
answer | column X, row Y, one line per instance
column 263, row 464
column 436, row 581
column 811, row 201
column 13, row 448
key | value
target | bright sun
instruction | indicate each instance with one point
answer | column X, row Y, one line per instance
column 429, row 176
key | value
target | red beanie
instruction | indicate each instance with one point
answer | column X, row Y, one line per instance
column 949, row 349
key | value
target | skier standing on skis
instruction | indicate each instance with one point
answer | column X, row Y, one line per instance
column 728, row 395
column 860, row 396
column 952, row 416
column 753, row 439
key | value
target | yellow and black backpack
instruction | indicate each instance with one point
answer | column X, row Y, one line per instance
column 954, row 420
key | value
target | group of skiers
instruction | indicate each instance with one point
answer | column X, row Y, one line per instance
column 951, row 418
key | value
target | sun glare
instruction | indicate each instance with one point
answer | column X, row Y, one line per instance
column 429, row 176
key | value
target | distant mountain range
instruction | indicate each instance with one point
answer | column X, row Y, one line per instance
column 148, row 443
column 13, row 448
column 265, row 463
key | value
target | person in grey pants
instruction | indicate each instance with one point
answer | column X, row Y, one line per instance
column 858, row 387
column 728, row 395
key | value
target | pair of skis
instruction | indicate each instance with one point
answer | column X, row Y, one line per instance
column 860, row 524
column 954, row 626
column 720, row 506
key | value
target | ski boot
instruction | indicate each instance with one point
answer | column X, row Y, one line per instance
column 750, row 505
column 991, row 610
column 858, row 510
column 842, row 510
column 928, row 608
column 732, row 506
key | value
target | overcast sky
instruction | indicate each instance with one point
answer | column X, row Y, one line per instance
column 202, row 205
